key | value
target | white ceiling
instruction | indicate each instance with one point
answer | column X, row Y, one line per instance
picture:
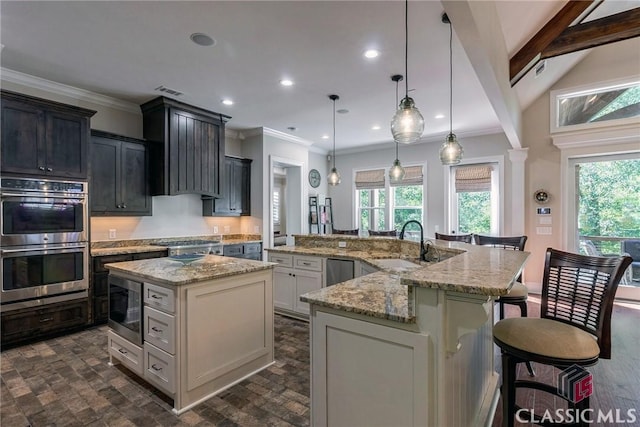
column 126, row 49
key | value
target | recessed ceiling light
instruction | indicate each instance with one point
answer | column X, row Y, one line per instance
column 375, row 127
column 439, row 116
column 227, row 101
column 286, row 82
column 325, row 136
column 202, row 39
column 371, row 53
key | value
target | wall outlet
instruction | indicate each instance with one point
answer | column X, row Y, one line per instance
column 215, row 229
column 544, row 230
column 227, row 229
column 342, row 244
column 256, row 229
column 112, row 233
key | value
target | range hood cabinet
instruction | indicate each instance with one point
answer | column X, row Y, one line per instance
column 186, row 148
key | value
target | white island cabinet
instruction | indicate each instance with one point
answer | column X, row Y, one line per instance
column 410, row 345
column 205, row 327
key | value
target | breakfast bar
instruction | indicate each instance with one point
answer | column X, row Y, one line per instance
column 409, row 345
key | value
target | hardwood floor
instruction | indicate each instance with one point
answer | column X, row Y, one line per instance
column 66, row 381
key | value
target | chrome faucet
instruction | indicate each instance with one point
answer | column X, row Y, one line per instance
column 423, row 250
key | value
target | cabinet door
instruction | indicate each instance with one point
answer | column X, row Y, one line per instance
column 23, row 138
column 245, row 188
column 135, row 196
column 67, row 137
column 194, row 154
column 223, row 204
column 105, row 176
column 284, row 285
column 306, row 281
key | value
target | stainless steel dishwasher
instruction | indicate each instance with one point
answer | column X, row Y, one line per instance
column 339, row 270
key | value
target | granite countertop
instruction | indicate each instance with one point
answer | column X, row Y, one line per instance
column 387, row 294
column 170, row 272
column 121, row 250
column 122, row 247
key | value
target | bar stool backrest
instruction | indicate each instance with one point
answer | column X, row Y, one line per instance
column 350, row 232
column 515, row 243
column 580, row 289
column 466, row 238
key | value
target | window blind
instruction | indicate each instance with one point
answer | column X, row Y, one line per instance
column 370, row 179
column 473, row 178
column 412, row 176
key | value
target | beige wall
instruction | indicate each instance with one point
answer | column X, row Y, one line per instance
column 615, row 61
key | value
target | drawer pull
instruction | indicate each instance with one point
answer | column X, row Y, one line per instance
column 154, row 296
column 306, row 263
column 122, row 351
column 154, row 329
column 155, row 368
column 46, row 319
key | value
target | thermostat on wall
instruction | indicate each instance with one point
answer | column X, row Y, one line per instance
column 544, row 211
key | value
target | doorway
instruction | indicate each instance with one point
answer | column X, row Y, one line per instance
column 285, row 200
column 606, row 212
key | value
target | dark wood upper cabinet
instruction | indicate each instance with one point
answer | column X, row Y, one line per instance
column 186, row 147
column 119, row 184
column 44, row 138
column 235, row 199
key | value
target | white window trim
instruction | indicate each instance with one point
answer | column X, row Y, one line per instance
column 450, row 208
column 584, row 90
column 387, row 188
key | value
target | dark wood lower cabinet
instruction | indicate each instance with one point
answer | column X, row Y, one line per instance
column 99, row 286
column 244, row 250
column 30, row 324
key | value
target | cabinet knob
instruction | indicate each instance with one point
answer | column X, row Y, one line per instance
column 49, row 170
column 124, row 206
column 41, row 168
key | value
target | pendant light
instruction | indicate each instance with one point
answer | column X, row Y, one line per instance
column 450, row 151
column 396, row 173
column 334, row 177
column 407, row 124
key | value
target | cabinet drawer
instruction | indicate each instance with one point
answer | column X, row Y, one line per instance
column 308, row 263
column 159, row 297
column 284, row 260
column 129, row 354
column 160, row 329
column 159, row 368
column 252, row 248
column 100, row 261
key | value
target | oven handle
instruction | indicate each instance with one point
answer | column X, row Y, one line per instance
column 53, row 248
column 70, row 196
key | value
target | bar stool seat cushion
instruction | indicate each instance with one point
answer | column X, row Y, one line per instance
column 547, row 338
column 518, row 290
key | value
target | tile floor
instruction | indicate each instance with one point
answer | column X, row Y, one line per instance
column 67, row 382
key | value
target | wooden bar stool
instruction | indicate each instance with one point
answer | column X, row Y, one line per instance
column 577, row 300
column 466, row 238
column 349, row 232
column 392, row 233
column 518, row 293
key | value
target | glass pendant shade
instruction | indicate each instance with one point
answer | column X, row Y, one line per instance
column 334, row 177
column 451, row 151
column 407, row 124
column 396, row 173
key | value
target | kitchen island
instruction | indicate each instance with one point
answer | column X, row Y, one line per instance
column 205, row 326
column 410, row 345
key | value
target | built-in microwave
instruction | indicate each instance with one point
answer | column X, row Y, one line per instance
column 125, row 308
column 41, row 212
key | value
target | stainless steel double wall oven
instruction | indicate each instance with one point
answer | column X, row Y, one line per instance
column 44, row 239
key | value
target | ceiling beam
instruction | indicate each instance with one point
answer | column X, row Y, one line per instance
column 610, row 29
column 530, row 53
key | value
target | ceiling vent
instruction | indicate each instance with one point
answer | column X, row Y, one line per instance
column 540, row 67
column 168, row 91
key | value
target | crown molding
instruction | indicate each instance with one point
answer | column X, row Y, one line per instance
column 598, row 137
column 34, row 82
column 286, row 137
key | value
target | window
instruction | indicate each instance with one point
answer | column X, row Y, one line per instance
column 474, row 207
column 587, row 107
column 376, row 211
